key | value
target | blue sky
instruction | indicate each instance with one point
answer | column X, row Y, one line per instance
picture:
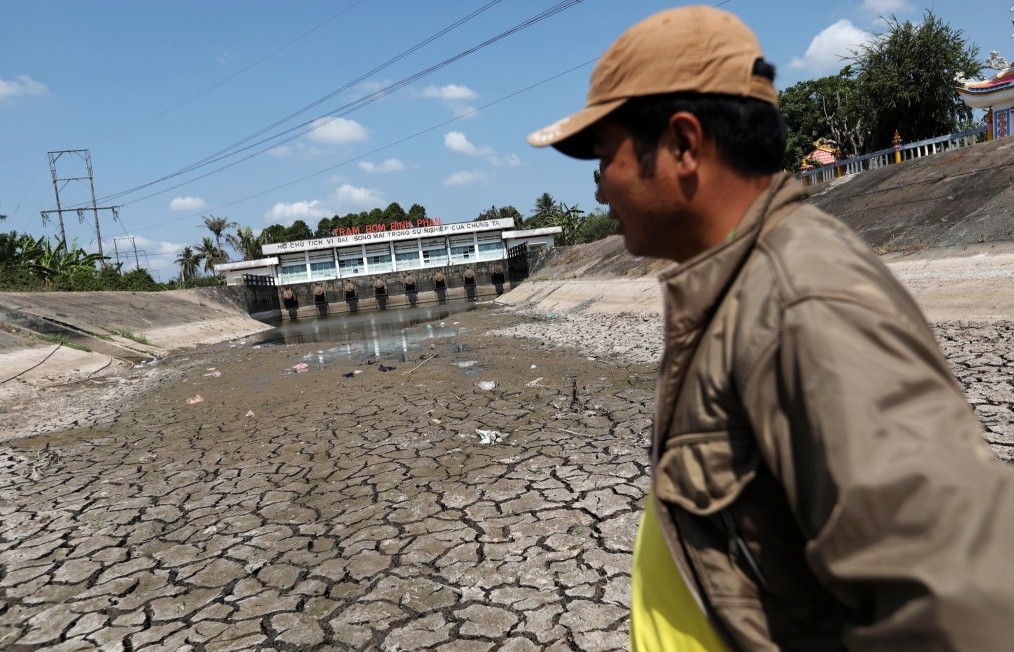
column 152, row 88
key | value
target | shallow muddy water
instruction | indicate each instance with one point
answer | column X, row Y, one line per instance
column 389, row 333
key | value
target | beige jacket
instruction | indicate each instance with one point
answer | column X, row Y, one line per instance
column 822, row 482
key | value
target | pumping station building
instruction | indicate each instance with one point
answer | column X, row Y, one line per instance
column 403, row 263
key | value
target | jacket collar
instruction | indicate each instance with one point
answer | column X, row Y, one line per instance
column 693, row 287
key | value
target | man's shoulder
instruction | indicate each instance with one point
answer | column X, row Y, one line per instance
column 812, row 254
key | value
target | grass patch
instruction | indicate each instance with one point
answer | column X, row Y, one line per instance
column 63, row 341
column 139, row 338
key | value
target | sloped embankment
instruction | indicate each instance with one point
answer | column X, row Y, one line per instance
column 951, row 205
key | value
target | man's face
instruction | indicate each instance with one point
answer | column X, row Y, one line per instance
column 646, row 208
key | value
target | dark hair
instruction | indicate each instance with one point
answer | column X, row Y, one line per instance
column 749, row 133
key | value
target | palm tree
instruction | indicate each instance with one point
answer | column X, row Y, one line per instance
column 218, row 225
column 545, row 212
column 210, row 254
column 190, row 264
column 245, row 243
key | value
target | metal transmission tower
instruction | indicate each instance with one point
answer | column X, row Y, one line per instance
column 137, row 263
column 61, row 182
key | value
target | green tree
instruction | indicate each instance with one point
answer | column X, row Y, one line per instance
column 595, row 226
column 246, row 244
column 298, row 231
column 324, row 226
column 218, row 226
column 829, row 107
column 907, row 76
column 507, row 212
column 416, row 212
column 272, row 234
column 190, row 264
column 210, row 254
column 569, row 219
column 544, row 211
column 394, row 213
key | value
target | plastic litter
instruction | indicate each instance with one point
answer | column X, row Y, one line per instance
column 214, row 374
column 534, row 383
column 384, row 367
column 489, row 436
column 486, row 384
column 465, row 364
column 301, row 367
column 196, row 398
column 349, row 374
column 250, row 413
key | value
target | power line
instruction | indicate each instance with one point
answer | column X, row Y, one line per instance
column 377, row 150
column 230, row 77
column 310, row 125
column 225, row 152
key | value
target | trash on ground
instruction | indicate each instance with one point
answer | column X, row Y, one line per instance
column 196, row 398
column 465, row 364
column 214, row 374
column 301, row 367
column 486, row 384
column 250, row 413
column 489, row 436
column 349, row 374
column 532, row 367
column 534, row 383
column 384, row 367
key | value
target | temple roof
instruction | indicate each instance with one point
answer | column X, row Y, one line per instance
column 1003, row 80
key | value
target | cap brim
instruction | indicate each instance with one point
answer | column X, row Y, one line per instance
column 571, row 135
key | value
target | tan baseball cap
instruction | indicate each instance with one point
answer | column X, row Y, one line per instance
column 697, row 49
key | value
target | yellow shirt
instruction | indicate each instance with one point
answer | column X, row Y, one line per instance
column 664, row 617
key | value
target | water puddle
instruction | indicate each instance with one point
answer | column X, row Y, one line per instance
column 396, row 334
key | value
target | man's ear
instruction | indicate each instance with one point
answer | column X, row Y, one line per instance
column 684, row 138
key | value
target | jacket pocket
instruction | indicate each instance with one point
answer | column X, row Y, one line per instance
column 704, row 473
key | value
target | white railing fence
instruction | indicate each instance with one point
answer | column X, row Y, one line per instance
column 879, row 159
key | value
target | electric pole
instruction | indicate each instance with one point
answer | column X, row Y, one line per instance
column 59, row 183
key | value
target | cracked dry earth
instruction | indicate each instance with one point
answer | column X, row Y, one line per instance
column 363, row 513
column 356, row 513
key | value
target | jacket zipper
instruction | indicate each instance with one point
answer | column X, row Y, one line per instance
column 737, row 547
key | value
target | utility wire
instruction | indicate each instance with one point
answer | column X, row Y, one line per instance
column 377, row 150
column 235, row 147
column 229, row 78
column 311, row 125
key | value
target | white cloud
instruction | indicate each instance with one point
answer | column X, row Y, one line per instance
column 373, row 87
column 187, row 204
column 23, row 85
column 337, row 131
column 458, row 142
column 886, row 7
column 510, row 160
column 828, row 49
column 454, row 96
column 449, row 93
column 286, row 213
column 464, row 178
column 390, row 165
column 347, row 195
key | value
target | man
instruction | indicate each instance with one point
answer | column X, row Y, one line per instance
column 819, row 481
